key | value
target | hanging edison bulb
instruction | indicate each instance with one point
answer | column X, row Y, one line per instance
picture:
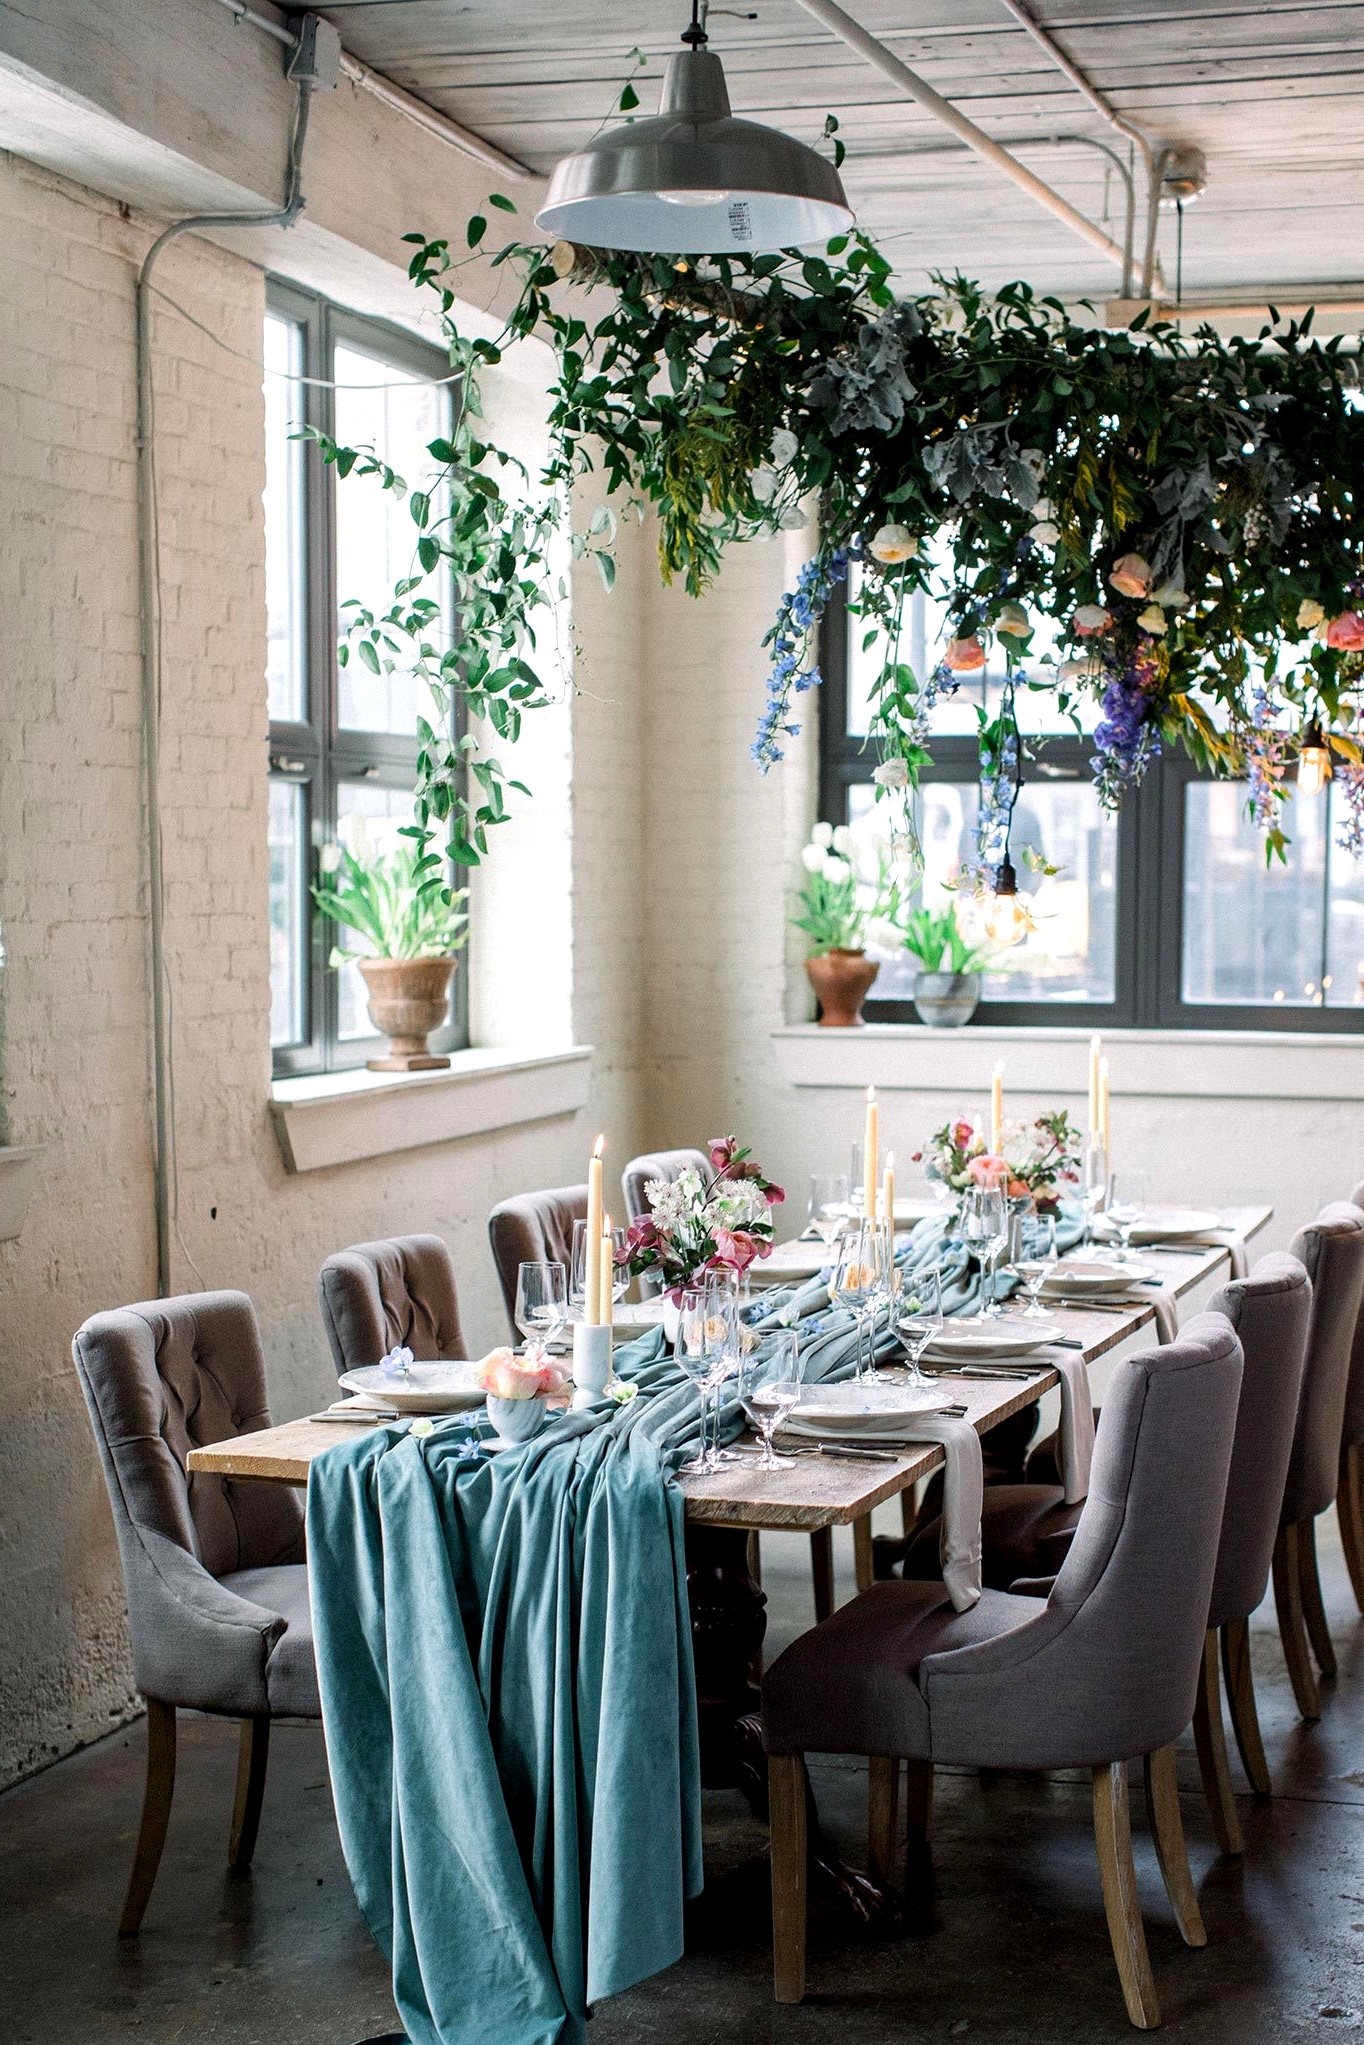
column 1007, row 919
column 1314, row 761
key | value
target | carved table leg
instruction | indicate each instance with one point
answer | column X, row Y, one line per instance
column 728, row 1621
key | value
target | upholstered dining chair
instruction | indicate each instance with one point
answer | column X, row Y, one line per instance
column 668, row 1165
column 214, row 1570
column 534, row 1228
column 1104, row 1671
column 1332, row 1248
column 1350, row 1484
column 399, row 1292
column 1027, row 1529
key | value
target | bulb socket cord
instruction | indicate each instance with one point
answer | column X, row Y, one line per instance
column 694, row 36
column 1006, row 876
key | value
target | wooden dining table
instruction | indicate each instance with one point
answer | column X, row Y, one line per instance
column 817, row 1493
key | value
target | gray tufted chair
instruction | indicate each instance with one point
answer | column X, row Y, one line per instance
column 534, row 1228
column 1105, row 1670
column 1332, row 1248
column 1350, row 1485
column 214, row 1569
column 397, row 1293
column 668, row 1165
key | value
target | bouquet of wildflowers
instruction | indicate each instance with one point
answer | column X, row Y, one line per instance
column 1036, row 1161
column 704, row 1222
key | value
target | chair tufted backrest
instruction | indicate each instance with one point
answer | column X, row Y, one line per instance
column 1269, row 1310
column 534, row 1228
column 396, row 1293
column 1109, row 1668
column 669, row 1166
column 168, row 1375
column 1332, row 1248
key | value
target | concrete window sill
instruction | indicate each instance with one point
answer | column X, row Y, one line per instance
column 1170, row 1064
column 342, row 1118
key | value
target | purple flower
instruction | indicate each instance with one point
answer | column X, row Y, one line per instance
column 397, row 1363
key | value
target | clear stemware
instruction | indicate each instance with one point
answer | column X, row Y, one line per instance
column 769, row 1384
column 855, row 1281
column 541, row 1307
column 829, row 1206
column 985, row 1224
column 1037, row 1262
column 1126, row 1207
column 1093, row 1182
column 703, row 1319
column 920, row 1320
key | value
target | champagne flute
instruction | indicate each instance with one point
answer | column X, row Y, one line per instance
column 886, row 1287
column 985, row 1220
column 769, row 1388
column 1126, row 1206
column 541, row 1307
column 1037, row 1262
column 855, row 1279
column 920, row 1320
column 695, row 1350
column 829, row 1206
column 1093, row 1182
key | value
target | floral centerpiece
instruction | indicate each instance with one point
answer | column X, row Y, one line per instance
column 1037, row 1160
column 698, row 1223
column 519, row 1389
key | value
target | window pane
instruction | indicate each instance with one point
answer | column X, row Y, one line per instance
column 1072, row 954
column 375, row 537
column 284, row 523
column 1284, row 935
column 288, row 922
column 368, row 819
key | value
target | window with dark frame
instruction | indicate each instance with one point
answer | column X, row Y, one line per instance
column 1164, row 916
column 343, row 747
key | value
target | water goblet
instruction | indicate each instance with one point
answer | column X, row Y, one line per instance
column 1126, row 1206
column 769, row 1388
column 855, row 1280
column 541, row 1307
column 1037, row 1262
column 920, row 1321
column 829, row 1206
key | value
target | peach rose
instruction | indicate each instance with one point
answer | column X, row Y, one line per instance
column 965, row 656
column 1130, row 575
column 1090, row 619
column 506, row 1376
column 987, row 1170
column 1346, row 633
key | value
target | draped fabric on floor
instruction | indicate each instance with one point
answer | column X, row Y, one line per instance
column 504, row 1656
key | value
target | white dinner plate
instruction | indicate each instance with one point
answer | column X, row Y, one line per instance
column 846, row 1410
column 1168, row 1224
column 1091, row 1281
column 427, row 1387
column 972, row 1335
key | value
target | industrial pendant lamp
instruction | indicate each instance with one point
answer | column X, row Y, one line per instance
column 695, row 181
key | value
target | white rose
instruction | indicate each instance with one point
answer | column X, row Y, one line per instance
column 1046, row 534
column 1310, row 614
column 892, row 543
column 763, row 484
column 844, row 840
column 891, row 774
column 785, row 447
column 812, row 858
column 823, row 836
column 1152, row 620
column 792, row 520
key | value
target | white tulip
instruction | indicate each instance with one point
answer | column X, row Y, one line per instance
column 844, row 840
column 812, row 858
column 823, row 836
column 884, row 934
column 836, row 869
column 329, row 858
column 891, row 774
column 785, row 447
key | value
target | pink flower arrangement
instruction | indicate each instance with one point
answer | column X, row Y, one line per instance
column 964, row 656
column 1039, row 1160
column 697, row 1223
column 504, row 1375
column 994, row 1171
column 1346, row 633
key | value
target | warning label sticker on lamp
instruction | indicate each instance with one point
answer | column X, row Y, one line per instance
column 740, row 221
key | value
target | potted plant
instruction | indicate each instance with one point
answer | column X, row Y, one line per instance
column 411, row 929
column 947, row 985
column 835, row 922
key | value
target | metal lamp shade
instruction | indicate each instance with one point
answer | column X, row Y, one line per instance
column 733, row 185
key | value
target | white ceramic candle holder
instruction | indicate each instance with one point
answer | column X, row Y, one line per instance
column 591, row 1362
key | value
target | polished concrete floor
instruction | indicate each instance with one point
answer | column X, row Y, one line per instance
column 1013, row 1947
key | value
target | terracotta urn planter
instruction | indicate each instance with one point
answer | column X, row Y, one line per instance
column 407, row 1000
column 840, row 980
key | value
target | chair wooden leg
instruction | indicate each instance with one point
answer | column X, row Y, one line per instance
column 864, row 1574
column 1113, row 1842
column 1292, row 1625
column 1313, row 1611
column 822, row 1570
column 156, row 1808
column 1245, row 1719
column 909, row 1510
column 883, row 1810
column 1210, row 1739
column 1167, row 1829
column 252, row 1755
column 786, row 1804
column 1350, row 1513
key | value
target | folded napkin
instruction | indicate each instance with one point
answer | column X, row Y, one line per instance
column 1228, row 1239
column 1166, row 1306
column 1076, row 1432
column 963, row 1498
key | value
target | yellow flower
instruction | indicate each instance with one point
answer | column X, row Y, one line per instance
column 1310, row 614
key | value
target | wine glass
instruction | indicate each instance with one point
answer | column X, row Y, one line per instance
column 769, row 1387
column 984, row 1224
column 829, row 1205
column 1126, row 1206
column 1037, row 1262
column 920, row 1320
column 541, row 1307
column 704, row 1317
column 1093, row 1182
column 855, row 1279
column 888, row 1278
column 857, row 1184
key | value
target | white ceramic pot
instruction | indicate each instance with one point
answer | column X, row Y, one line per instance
column 516, row 1420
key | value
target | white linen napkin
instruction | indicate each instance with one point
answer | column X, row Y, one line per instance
column 1227, row 1239
column 1075, row 1435
column 1166, row 1306
column 963, row 1496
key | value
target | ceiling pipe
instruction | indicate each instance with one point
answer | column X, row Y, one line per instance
column 1101, row 104
column 909, row 82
